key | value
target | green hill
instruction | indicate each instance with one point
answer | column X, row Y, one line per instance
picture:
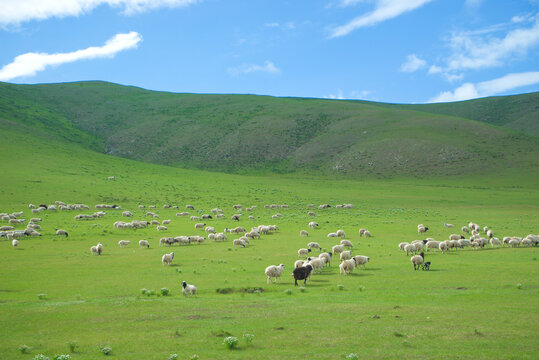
column 247, row 133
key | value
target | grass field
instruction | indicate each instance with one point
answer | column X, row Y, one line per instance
column 470, row 305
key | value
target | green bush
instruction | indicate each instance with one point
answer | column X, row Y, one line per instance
column 231, row 342
column 164, row 291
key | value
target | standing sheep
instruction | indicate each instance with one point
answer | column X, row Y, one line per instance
column 189, row 289
column 346, row 255
column 340, row 233
column 313, row 225
column 337, row 249
column 347, row 266
column 15, row 243
column 144, row 244
column 347, row 243
column 303, row 252
column 361, row 260
column 167, row 259
column 302, row 273
column 303, row 233
column 417, row 260
column 314, row 245
column 62, row 232
column 274, row 271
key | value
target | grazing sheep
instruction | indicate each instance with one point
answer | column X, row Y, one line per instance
column 402, row 245
column 189, row 289
column 200, row 225
column 313, row 225
column 190, row 207
column 362, row 231
column 303, row 252
column 442, row 246
column 311, row 213
column 62, row 232
column 361, row 260
column 167, row 259
column 326, row 256
column 332, row 235
column 340, row 233
column 409, row 248
column 35, row 220
column 490, row 233
column 302, row 273
column 6, row 228
column 526, row 242
column 314, row 245
column 15, row 243
column 433, row 244
column 514, row 242
column 235, row 217
column 210, row 230
column 346, row 255
column 100, row 247
column 422, row 229
column 127, row 213
column 455, row 237
column 316, row 263
column 238, row 242
column 274, row 271
column 144, row 243
column 464, row 242
column 347, row 243
column 124, row 243
column 166, row 222
column 337, row 249
column 346, row 266
column 417, row 260
column 454, row 244
column 95, row 250
column 162, row 228
column 195, row 218
column 495, row 241
column 465, row 229
column 449, row 225
column 298, row 263
column 367, row 233
column 303, row 233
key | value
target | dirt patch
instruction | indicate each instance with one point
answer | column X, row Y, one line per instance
column 249, row 290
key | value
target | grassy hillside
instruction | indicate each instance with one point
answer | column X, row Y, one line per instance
column 473, row 304
column 245, row 134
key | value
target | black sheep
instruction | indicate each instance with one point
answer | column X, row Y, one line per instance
column 302, row 273
column 426, row 266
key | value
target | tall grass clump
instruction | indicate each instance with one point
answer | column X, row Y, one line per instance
column 231, row 342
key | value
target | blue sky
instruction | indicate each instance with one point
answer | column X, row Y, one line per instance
column 403, row 51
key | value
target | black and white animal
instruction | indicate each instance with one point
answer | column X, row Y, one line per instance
column 426, row 266
column 189, row 289
column 302, row 273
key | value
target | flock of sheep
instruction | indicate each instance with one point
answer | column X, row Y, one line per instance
column 302, row 268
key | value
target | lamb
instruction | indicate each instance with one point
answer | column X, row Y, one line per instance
column 313, row 225
column 347, row 243
column 426, row 266
column 200, row 225
column 62, row 232
column 346, row 255
column 303, row 252
column 15, row 243
column 189, row 289
column 124, row 243
column 274, row 271
column 326, row 256
column 302, row 273
column 314, row 245
column 167, row 259
column 417, row 260
column 337, row 249
column 347, row 266
column 144, row 243
column 303, row 233
column 340, row 233
column 361, row 260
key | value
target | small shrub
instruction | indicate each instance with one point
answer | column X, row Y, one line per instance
column 352, row 356
column 194, row 357
column 340, row 287
column 302, row 289
column 143, row 291
column 231, row 342
column 164, row 291
column 73, row 346
column 362, row 288
column 62, row 357
column 40, row 357
column 24, row 349
column 248, row 338
column 178, row 270
column 42, row 296
column 150, row 293
column 173, row 357
column 106, row 350
column 288, row 292
column 519, row 286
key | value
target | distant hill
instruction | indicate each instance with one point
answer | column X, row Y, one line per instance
column 248, row 133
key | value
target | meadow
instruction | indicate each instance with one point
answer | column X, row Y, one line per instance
column 471, row 304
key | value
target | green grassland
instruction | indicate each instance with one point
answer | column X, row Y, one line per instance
column 250, row 134
column 468, row 306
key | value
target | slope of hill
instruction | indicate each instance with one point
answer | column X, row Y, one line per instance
column 246, row 133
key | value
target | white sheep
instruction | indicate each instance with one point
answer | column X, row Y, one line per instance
column 433, row 244
column 337, row 249
column 495, row 242
column 340, row 233
column 62, row 232
column 346, row 255
column 409, row 248
column 162, row 228
column 347, row 243
column 490, row 233
column 442, row 246
column 274, row 271
column 361, row 260
column 238, row 242
column 313, row 225
column 94, row 250
column 127, row 213
column 303, row 233
column 526, row 242
column 316, row 263
column 332, row 234
column 166, row 222
column 167, row 259
column 449, row 225
column 189, row 289
column 346, row 266
column 209, row 230
column 326, row 256
column 303, row 252
column 298, row 263
column 200, row 225
column 124, row 243
column 15, row 243
column 314, row 245
column 402, row 245
column 417, row 260
column 367, row 233
column 144, row 244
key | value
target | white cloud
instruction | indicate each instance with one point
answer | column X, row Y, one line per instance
column 488, row 88
column 473, row 3
column 14, row 12
column 384, row 10
column 30, row 63
column 413, row 63
column 290, row 25
column 435, row 69
column 353, row 95
column 268, row 67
